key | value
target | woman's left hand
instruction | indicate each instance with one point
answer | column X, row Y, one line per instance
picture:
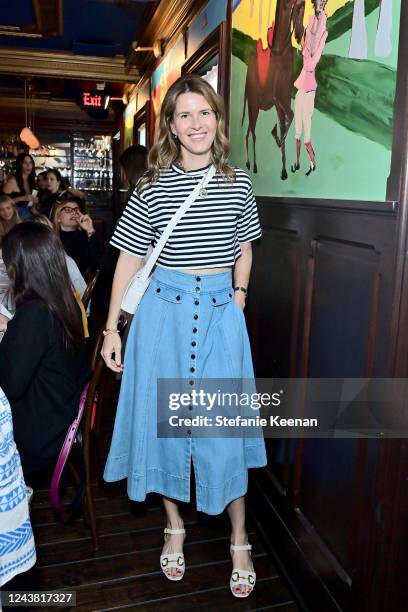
column 85, row 223
column 239, row 298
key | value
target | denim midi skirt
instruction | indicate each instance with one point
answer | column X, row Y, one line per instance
column 186, row 327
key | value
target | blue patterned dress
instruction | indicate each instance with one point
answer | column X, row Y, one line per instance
column 17, row 550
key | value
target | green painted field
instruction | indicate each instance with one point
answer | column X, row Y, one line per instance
column 349, row 166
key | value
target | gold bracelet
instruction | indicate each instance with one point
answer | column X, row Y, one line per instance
column 106, row 332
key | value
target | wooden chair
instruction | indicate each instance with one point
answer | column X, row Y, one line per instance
column 91, row 409
column 81, row 470
column 86, row 298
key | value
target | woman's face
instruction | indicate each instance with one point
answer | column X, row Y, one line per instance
column 41, row 182
column 52, row 183
column 68, row 216
column 195, row 124
column 6, row 211
column 27, row 165
column 320, row 6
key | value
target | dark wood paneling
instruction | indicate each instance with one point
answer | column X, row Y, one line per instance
column 343, row 288
column 324, row 276
column 269, row 317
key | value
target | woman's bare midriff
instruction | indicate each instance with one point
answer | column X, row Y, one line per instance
column 205, row 270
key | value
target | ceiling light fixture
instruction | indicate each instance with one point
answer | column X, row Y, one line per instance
column 27, row 135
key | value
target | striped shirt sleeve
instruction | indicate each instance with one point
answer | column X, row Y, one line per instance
column 248, row 226
column 134, row 232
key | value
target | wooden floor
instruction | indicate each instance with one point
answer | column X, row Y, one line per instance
column 125, row 572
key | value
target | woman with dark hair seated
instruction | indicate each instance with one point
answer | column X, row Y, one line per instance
column 41, row 182
column 42, row 355
column 21, row 185
column 77, row 232
column 56, row 187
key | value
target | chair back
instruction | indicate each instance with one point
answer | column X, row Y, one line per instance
column 63, row 458
column 86, row 298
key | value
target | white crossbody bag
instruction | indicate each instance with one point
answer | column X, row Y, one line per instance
column 141, row 279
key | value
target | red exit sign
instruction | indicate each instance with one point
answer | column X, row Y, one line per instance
column 92, row 99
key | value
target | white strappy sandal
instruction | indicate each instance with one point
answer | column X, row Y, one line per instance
column 242, row 578
column 173, row 560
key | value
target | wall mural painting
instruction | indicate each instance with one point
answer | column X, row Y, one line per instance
column 164, row 76
column 313, row 90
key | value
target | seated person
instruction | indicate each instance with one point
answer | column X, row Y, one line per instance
column 77, row 280
column 77, row 233
column 42, row 354
column 9, row 216
column 15, row 523
column 41, row 182
column 21, row 185
column 54, row 188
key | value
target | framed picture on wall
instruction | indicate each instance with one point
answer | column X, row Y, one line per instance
column 165, row 74
column 313, row 91
column 141, row 127
column 211, row 62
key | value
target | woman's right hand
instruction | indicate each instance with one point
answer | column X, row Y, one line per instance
column 112, row 352
column 3, row 323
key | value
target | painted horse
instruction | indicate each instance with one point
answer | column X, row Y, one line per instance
column 269, row 83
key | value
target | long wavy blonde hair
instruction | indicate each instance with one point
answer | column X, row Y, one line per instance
column 166, row 150
column 6, row 226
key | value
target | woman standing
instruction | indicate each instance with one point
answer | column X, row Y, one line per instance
column 21, row 184
column 306, row 84
column 189, row 324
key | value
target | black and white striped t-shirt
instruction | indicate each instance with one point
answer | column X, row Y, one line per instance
column 210, row 232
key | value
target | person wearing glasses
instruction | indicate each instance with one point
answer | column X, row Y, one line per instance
column 55, row 188
column 77, row 232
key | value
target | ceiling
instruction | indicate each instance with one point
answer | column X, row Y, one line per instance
column 102, row 28
column 64, row 46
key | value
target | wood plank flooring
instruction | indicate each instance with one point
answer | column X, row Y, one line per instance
column 125, row 573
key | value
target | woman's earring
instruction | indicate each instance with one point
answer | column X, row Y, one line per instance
column 175, row 135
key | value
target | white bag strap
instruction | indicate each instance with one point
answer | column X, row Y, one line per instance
column 148, row 267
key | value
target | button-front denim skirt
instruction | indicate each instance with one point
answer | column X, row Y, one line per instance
column 186, row 327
